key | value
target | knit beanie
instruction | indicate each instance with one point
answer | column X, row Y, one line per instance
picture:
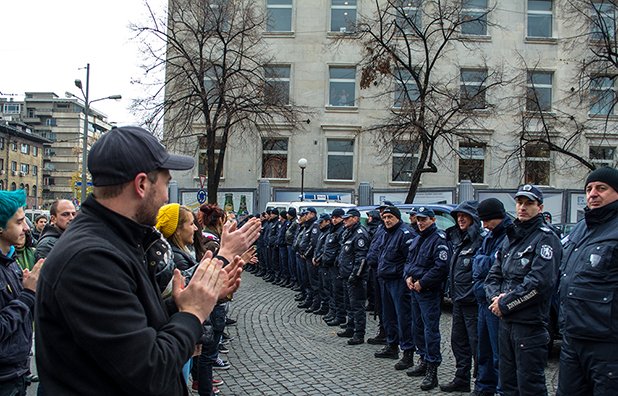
column 605, row 175
column 167, row 219
column 393, row 210
column 491, row 208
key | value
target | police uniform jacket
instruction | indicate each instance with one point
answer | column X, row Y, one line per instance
column 526, row 269
column 321, row 242
column 16, row 315
column 298, row 237
column 283, row 227
column 394, row 251
column 428, row 258
column 354, row 247
column 273, row 231
column 589, row 277
column 309, row 238
column 290, row 232
column 332, row 245
column 465, row 246
column 485, row 258
column 375, row 248
column 265, row 234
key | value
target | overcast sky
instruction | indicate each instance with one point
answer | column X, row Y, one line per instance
column 45, row 43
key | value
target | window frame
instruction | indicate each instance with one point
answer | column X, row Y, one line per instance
column 270, row 7
column 342, row 29
column 602, row 161
column 278, row 80
column 531, row 86
column 468, row 103
column 599, row 17
column 537, row 159
column 471, row 157
column 411, row 153
column 402, row 90
column 537, row 13
column 602, row 90
column 275, row 153
column 24, row 148
column 476, row 13
column 403, row 14
column 332, row 81
column 330, row 154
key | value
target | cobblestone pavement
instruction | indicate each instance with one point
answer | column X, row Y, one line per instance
column 278, row 349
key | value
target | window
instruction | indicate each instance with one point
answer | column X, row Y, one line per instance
column 34, row 191
column 13, row 186
column 25, row 148
column 406, row 90
column 602, row 156
column 11, row 108
column 472, row 162
column 1, row 143
column 603, row 21
column 50, row 122
column 13, row 166
column 218, row 19
column 343, row 16
column 35, row 170
column 48, row 151
column 405, row 160
column 537, row 164
column 472, row 90
column 275, row 158
column 202, row 161
column 277, row 89
column 212, row 80
column 408, row 16
column 540, row 18
column 602, row 95
column 279, row 15
column 35, row 151
column 340, row 159
column 49, row 181
column 1, row 163
column 14, row 146
column 342, row 88
column 24, row 168
column 474, row 15
column 539, row 92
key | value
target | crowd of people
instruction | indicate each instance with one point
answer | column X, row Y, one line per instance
column 129, row 296
column 502, row 274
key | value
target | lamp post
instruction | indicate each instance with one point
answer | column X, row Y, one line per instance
column 302, row 163
column 87, row 103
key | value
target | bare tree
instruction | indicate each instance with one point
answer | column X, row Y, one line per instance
column 219, row 79
column 408, row 52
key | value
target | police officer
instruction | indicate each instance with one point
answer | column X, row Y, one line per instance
column 495, row 220
column 332, row 247
column 588, row 293
column 353, row 271
column 323, row 289
column 426, row 269
column 465, row 239
column 290, row 235
column 283, row 276
column 396, row 310
column 301, row 268
column 520, row 285
column 273, row 264
column 307, row 250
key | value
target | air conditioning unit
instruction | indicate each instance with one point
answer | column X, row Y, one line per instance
column 22, row 174
column 13, row 173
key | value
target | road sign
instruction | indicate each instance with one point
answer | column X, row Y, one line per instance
column 201, row 196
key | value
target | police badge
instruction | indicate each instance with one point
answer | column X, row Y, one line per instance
column 443, row 255
column 361, row 242
column 547, row 252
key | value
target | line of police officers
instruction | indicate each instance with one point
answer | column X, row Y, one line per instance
column 501, row 276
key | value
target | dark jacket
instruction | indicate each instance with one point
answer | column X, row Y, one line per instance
column 526, row 269
column 465, row 246
column 46, row 242
column 273, row 231
column 589, row 277
column 332, row 247
column 101, row 323
column 291, row 232
column 309, row 239
column 353, row 254
column 394, row 251
column 485, row 258
column 299, row 237
column 16, row 315
column 428, row 258
column 321, row 243
column 283, row 227
column 375, row 248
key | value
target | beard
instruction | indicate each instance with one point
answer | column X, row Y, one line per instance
column 147, row 212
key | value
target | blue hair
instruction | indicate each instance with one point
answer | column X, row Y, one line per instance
column 10, row 202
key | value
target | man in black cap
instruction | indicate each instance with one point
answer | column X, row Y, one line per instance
column 395, row 295
column 496, row 221
column 520, row 286
column 273, row 249
column 307, row 251
column 425, row 271
column 323, row 286
column 337, row 312
column 102, row 327
column 588, row 293
column 290, row 235
column 353, row 271
column 465, row 238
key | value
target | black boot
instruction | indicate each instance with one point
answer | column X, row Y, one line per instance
column 431, row 377
column 347, row 333
column 419, row 371
column 455, row 385
column 388, row 352
column 379, row 339
column 406, row 361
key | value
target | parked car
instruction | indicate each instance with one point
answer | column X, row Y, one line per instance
column 443, row 217
column 320, row 206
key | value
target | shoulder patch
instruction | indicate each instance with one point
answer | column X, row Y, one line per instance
column 359, row 231
column 361, row 242
column 545, row 229
column 443, row 255
column 314, row 231
column 547, row 252
column 442, row 234
column 442, row 247
column 406, row 231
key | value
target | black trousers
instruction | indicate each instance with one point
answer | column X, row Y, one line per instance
column 523, row 355
column 464, row 339
column 355, row 296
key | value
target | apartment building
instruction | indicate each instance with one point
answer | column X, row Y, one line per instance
column 527, row 39
column 60, row 121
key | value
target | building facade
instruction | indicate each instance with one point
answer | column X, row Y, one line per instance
column 530, row 41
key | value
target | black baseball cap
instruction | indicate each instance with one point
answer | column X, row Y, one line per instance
column 121, row 153
column 351, row 212
column 324, row 216
column 425, row 212
column 337, row 212
column 531, row 192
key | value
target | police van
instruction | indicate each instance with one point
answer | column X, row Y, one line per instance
column 321, row 202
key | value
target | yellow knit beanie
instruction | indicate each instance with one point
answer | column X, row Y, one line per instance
column 167, row 219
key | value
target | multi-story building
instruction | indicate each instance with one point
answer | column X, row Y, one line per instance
column 527, row 39
column 61, row 122
column 21, row 161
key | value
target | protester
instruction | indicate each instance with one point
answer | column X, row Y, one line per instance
column 39, row 224
column 62, row 213
column 588, row 285
column 102, row 325
column 520, row 286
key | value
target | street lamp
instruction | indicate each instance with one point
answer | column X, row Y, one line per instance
column 302, row 163
column 78, row 84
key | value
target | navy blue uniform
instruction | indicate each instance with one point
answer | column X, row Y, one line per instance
column 589, row 306
column 307, row 250
column 525, row 271
column 427, row 262
column 332, row 247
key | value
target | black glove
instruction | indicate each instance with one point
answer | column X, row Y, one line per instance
column 353, row 279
